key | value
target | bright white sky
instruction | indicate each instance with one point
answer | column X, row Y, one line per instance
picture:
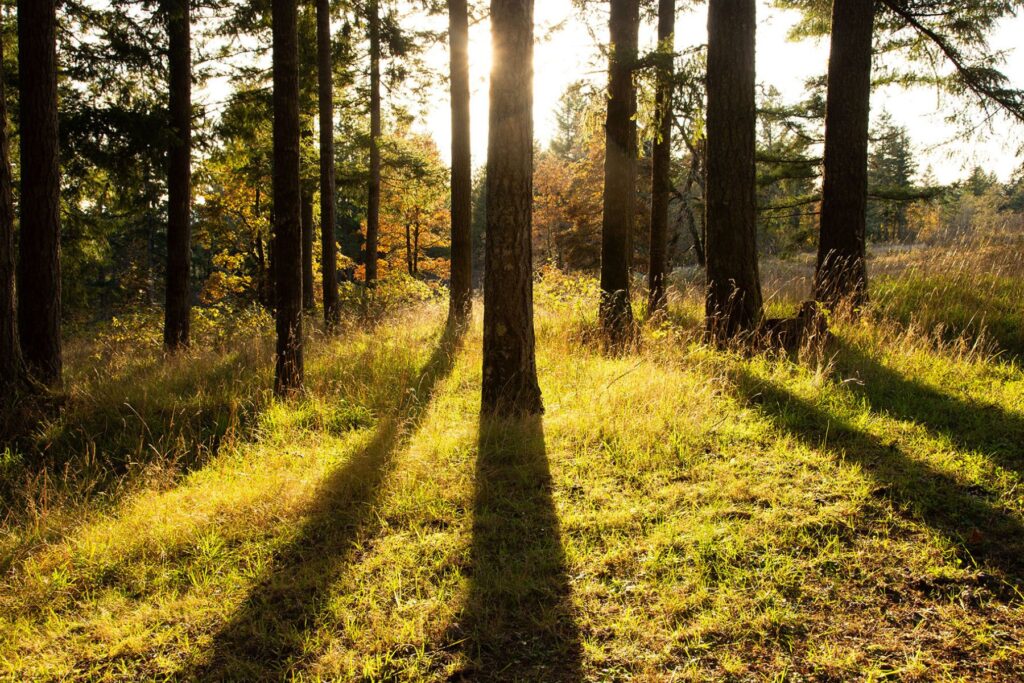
column 568, row 54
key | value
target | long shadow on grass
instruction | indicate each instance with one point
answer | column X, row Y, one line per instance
column 518, row 623
column 971, row 519
column 267, row 637
column 982, row 427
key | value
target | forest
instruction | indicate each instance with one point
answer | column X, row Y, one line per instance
column 310, row 371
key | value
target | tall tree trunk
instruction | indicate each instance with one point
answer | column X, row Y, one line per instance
column 179, row 176
column 328, row 217
column 373, row 209
column 408, row 248
column 308, row 295
column 462, row 180
column 287, row 253
column 509, row 365
column 733, row 283
column 842, row 274
column 661, row 178
column 39, row 256
column 619, row 171
column 11, row 363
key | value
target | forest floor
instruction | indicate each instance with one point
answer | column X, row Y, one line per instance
column 679, row 513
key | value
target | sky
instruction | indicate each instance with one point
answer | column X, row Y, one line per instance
column 565, row 53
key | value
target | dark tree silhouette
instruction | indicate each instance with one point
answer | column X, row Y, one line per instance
column 462, row 170
column 306, row 216
column 179, row 175
column 619, row 171
column 661, row 181
column 11, row 363
column 733, row 284
column 842, row 274
column 509, row 365
column 39, row 306
column 328, row 219
column 287, row 258
column 373, row 208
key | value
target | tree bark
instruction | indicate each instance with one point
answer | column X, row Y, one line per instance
column 39, row 306
column 462, row 170
column 328, row 216
column 177, row 306
column 373, row 208
column 734, row 304
column 12, row 367
column 842, row 275
column 287, row 253
column 661, row 179
column 509, row 366
column 308, row 295
column 619, row 171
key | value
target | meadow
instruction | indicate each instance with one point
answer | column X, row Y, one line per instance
column 679, row 513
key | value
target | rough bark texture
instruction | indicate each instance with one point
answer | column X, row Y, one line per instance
column 11, row 363
column 373, row 208
column 328, row 218
column 39, row 255
column 661, row 180
column 462, row 181
column 733, row 283
column 287, row 255
column 619, row 171
column 841, row 274
column 308, row 295
column 179, row 176
column 509, row 366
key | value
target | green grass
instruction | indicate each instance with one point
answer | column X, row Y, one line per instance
column 679, row 513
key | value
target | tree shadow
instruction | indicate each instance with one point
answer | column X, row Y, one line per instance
column 974, row 520
column 266, row 639
column 518, row 622
column 974, row 425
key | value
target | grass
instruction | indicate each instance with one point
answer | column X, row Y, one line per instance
column 679, row 513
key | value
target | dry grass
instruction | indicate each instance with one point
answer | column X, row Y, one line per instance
column 679, row 513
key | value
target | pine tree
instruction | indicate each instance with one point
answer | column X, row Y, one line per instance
column 462, row 169
column 373, row 207
column 179, row 175
column 11, row 363
column 620, row 171
column 509, row 365
column 661, row 181
column 328, row 196
column 287, row 223
column 733, row 283
column 39, row 280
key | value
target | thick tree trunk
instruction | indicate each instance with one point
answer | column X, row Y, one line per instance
column 39, row 256
column 842, row 274
column 328, row 217
column 287, row 253
column 619, row 171
column 462, row 180
column 308, row 295
column 179, row 176
column 733, row 283
column 661, row 178
column 509, row 366
column 11, row 363
column 373, row 208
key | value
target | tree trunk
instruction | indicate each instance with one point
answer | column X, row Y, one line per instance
column 328, row 217
column 39, row 306
column 661, row 179
column 308, row 295
column 509, row 365
column 733, row 284
column 179, row 176
column 287, row 254
column 408, row 248
column 373, row 209
column 842, row 274
column 11, row 363
column 619, row 171
column 462, row 170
